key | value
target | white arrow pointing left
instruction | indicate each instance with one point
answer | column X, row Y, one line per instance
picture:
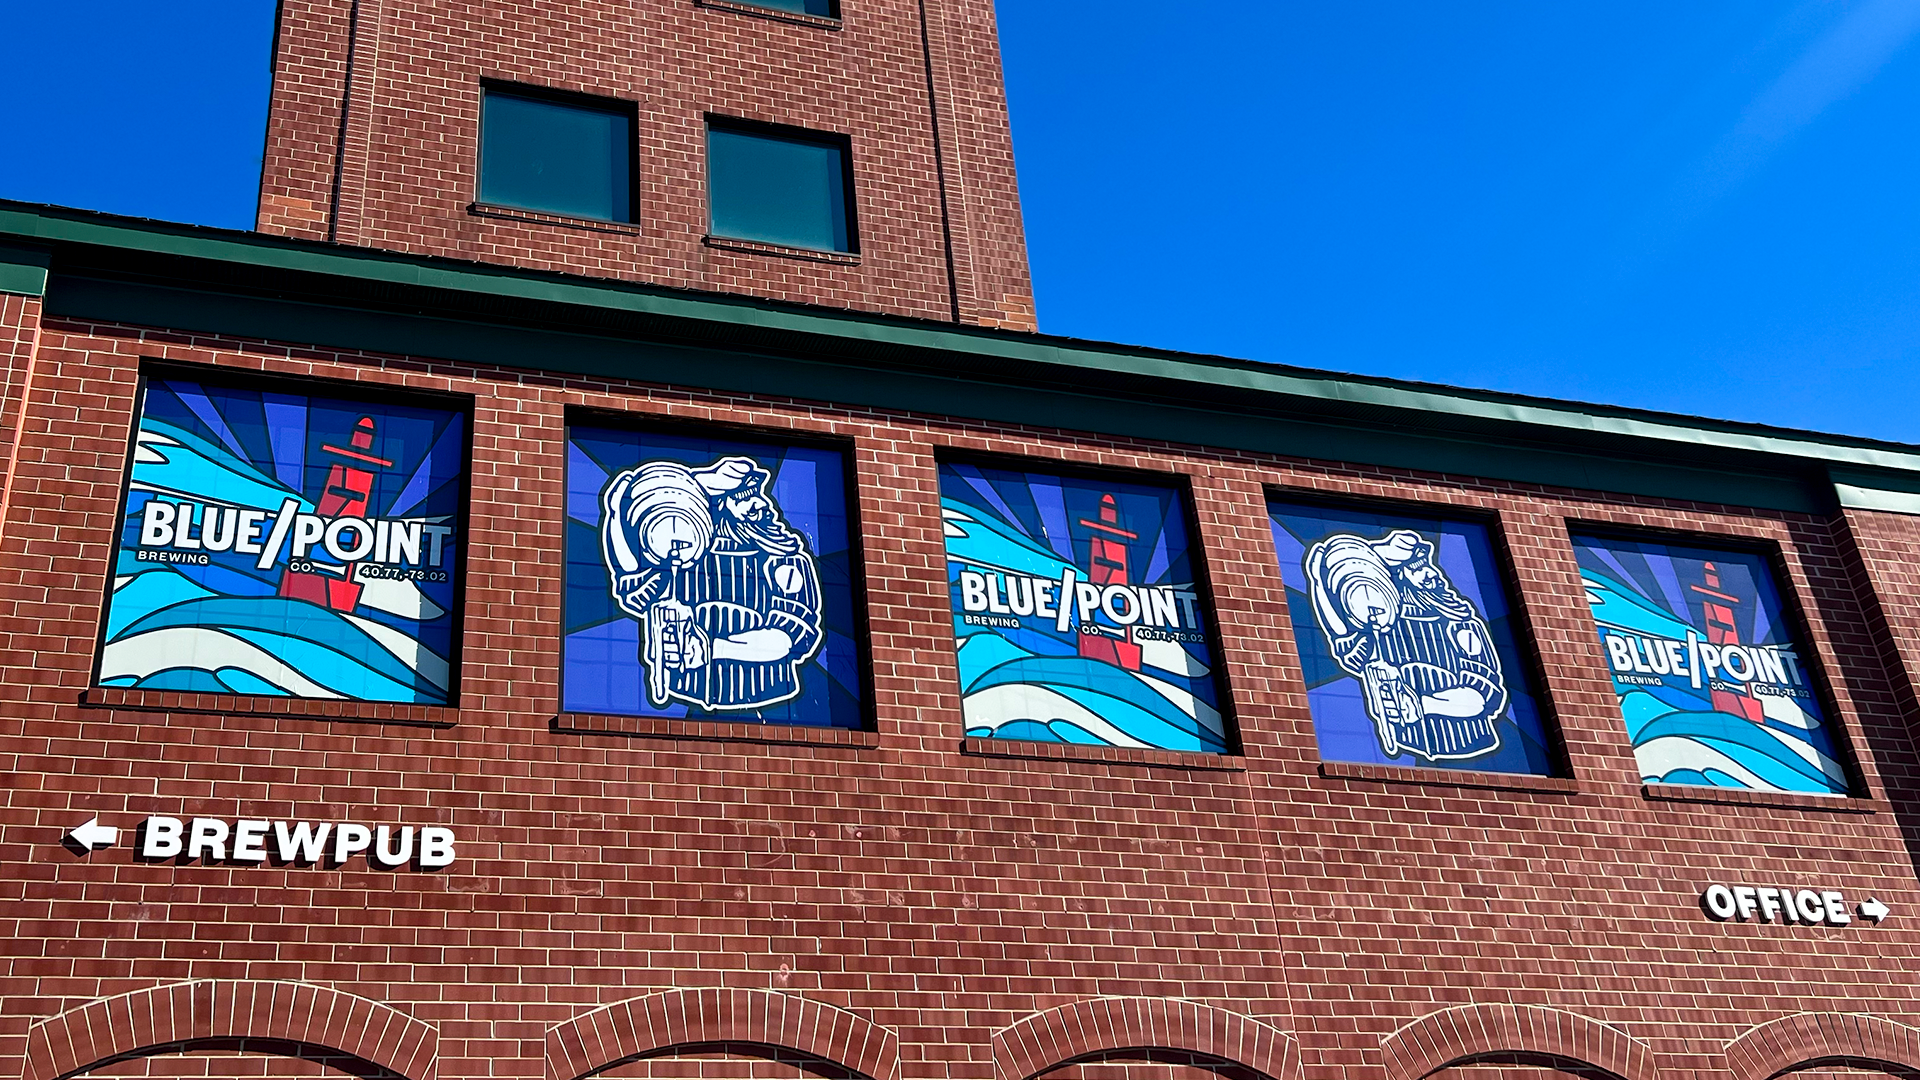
column 91, row 834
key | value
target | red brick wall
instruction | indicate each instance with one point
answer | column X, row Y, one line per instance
column 19, row 333
column 1332, row 926
column 406, row 175
column 303, row 120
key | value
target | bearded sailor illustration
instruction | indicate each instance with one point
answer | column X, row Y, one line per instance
column 725, row 592
column 1432, row 680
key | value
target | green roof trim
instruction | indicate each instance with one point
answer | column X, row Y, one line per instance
column 23, row 270
column 1860, row 498
column 249, row 285
column 1861, row 491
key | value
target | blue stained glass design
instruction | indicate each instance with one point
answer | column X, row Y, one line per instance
column 286, row 544
column 1077, row 614
column 742, row 547
column 1714, row 688
column 1406, row 641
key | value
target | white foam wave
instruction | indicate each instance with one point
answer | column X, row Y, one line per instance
column 416, row 656
column 1207, row 715
column 1658, row 757
column 204, row 648
column 1170, row 656
column 1007, row 702
column 397, row 596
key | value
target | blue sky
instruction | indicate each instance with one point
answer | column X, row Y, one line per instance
column 1701, row 206
column 1708, row 207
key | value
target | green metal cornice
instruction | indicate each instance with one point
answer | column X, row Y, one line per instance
column 245, row 284
column 23, row 270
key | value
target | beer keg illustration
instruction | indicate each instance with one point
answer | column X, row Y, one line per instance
column 667, row 523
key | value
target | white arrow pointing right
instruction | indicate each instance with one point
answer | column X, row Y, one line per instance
column 1873, row 909
column 91, row 834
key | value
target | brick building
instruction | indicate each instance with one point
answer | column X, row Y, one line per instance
column 555, row 601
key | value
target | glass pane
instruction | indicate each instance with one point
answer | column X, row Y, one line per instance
column 720, row 587
column 1408, row 641
column 822, row 8
column 560, row 159
column 1076, row 612
column 1713, row 678
column 278, row 544
column 778, row 190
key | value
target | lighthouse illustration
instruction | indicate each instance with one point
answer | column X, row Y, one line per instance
column 1717, row 607
column 349, row 487
column 1107, row 565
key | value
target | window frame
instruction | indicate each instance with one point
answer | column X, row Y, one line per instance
column 1520, row 610
column 789, row 133
column 759, row 9
column 311, row 386
column 1200, row 554
column 604, row 103
column 1795, row 614
column 720, row 726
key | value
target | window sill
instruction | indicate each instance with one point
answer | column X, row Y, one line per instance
column 801, row 18
column 1107, row 755
column 514, row 213
column 1408, row 774
column 1833, row 804
column 657, row 727
column 755, row 247
column 370, row 712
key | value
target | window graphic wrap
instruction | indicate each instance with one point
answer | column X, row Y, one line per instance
column 1406, row 641
column 711, row 579
column 1713, row 682
column 287, row 544
column 1076, row 612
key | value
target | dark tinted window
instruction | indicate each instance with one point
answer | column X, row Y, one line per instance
column 824, row 8
column 779, row 188
column 558, row 157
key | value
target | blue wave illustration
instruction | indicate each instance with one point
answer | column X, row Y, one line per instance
column 195, row 680
column 1639, row 709
column 1115, row 696
column 189, row 639
column 982, row 652
column 978, row 539
column 1618, row 605
column 245, row 682
column 1056, row 731
column 1761, row 751
column 147, row 593
column 368, row 673
column 195, row 465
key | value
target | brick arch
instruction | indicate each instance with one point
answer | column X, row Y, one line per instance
column 716, row 1018
column 179, row 1015
column 1471, row 1032
column 1109, row 1028
column 1804, row 1039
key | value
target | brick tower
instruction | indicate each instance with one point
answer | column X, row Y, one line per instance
column 375, row 137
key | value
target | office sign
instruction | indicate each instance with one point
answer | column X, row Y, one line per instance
column 1786, row 905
